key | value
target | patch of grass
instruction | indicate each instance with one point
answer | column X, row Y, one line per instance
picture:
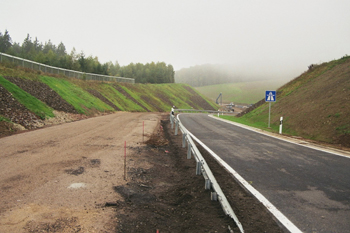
column 118, row 99
column 81, row 100
column 30, row 102
column 2, row 118
column 344, row 129
column 261, row 123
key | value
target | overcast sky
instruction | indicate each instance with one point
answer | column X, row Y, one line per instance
column 271, row 36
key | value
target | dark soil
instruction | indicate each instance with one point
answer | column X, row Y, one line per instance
column 6, row 129
column 44, row 93
column 15, row 111
column 169, row 197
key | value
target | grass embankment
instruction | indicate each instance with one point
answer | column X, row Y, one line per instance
column 81, row 100
column 30, row 102
column 315, row 105
column 93, row 97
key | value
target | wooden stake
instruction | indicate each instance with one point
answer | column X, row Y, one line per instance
column 125, row 160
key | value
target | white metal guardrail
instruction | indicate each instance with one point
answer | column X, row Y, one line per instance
column 203, row 168
column 55, row 70
column 202, row 111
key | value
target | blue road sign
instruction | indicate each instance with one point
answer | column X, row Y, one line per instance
column 270, row 96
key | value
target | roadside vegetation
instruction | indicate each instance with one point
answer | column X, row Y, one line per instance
column 30, row 102
column 81, row 100
column 315, row 105
column 22, row 89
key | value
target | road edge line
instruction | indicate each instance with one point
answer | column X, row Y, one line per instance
column 273, row 210
column 256, row 130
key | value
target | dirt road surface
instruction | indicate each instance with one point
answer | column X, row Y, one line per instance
column 58, row 179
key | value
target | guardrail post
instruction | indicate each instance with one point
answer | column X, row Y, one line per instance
column 214, row 196
column 176, row 127
column 172, row 121
column 199, row 168
column 207, row 184
column 189, row 151
column 184, row 140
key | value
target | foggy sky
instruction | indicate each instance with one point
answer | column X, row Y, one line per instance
column 274, row 37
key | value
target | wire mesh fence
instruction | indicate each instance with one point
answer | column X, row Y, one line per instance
column 55, row 70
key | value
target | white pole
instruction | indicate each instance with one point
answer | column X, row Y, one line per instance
column 281, row 120
column 269, row 113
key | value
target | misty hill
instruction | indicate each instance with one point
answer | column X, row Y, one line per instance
column 32, row 99
column 315, row 105
column 205, row 75
column 209, row 74
column 241, row 92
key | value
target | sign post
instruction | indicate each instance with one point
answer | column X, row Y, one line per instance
column 270, row 96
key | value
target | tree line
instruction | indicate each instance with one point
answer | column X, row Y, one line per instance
column 56, row 55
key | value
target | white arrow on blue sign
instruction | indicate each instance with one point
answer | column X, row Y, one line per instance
column 270, row 96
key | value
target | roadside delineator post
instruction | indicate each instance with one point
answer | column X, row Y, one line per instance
column 281, row 122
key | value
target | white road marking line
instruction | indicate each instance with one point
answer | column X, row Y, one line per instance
column 282, row 139
column 281, row 218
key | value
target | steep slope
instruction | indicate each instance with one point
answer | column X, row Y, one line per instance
column 32, row 99
column 315, row 105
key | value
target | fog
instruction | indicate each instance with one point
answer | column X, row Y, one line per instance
column 272, row 38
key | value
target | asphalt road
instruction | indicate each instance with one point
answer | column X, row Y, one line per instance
column 310, row 187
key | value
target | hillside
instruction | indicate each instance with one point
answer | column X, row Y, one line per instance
column 205, row 75
column 242, row 92
column 315, row 105
column 31, row 99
